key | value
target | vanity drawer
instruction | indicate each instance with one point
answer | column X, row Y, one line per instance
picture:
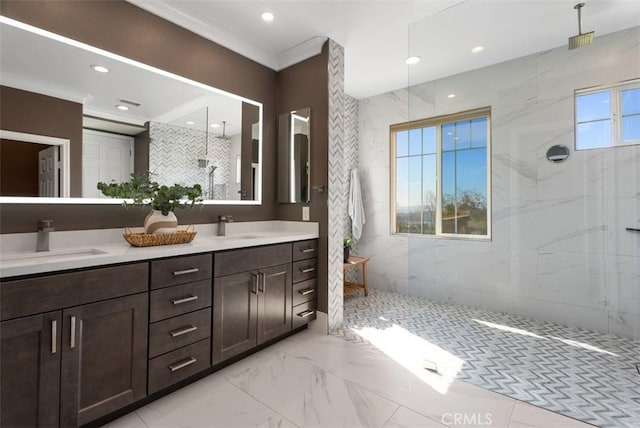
column 173, row 301
column 304, row 269
column 305, row 291
column 180, row 270
column 305, row 249
column 167, row 335
column 52, row 292
column 303, row 313
column 247, row 259
column 177, row 365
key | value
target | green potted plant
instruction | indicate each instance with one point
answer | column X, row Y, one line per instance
column 346, row 243
column 163, row 200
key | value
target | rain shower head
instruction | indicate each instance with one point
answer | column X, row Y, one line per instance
column 581, row 39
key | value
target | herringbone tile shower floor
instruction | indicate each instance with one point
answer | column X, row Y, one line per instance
column 579, row 373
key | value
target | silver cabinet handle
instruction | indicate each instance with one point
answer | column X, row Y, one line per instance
column 182, row 364
column 307, row 270
column 184, row 300
column 306, row 314
column 308, row 250
column 255, row 277
column 186, row 271
column 54, row 336
column 72, row 341
column 185, row 330
column 307, row 291
column 262, row 282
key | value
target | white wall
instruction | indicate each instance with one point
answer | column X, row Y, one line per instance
column 559, row 251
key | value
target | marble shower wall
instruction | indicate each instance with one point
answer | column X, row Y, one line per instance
column 559, row 250
column 173, row 158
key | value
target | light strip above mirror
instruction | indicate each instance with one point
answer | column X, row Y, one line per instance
column 78, row 200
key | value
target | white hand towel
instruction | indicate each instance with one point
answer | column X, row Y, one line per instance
column 356, row 207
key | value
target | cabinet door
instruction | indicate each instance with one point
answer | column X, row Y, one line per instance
column 104, row 358
column 274, row 302
column 30, row 371
column 235, row 313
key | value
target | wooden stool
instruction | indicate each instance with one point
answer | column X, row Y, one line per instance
column 352, row 287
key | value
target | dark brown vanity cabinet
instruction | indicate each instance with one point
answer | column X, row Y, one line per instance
column 67, row 358
column 30, row 370
column 305, row 282
column 180, row 316
column 251, row 298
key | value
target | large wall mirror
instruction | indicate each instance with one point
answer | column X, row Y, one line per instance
column 74, row 115
column 294, row 148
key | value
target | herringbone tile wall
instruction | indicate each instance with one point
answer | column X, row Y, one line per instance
column 583, row 374
column 337, row 187
column 173, row 158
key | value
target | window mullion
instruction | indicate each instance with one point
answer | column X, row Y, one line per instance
column 616, row 133
column 438, row 229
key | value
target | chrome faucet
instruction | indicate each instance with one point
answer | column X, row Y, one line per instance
column 222, row 224
column 44, row 227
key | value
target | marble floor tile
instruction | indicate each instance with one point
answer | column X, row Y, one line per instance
column 528, row 416
column 327, row 352
column 406, row 418
column 427, row 393
column 210, row 402
column 132, row 420
column 310, row 396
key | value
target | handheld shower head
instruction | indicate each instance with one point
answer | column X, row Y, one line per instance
column 581, row 39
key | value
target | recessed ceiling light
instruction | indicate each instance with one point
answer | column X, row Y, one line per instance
column 412, row 60
column 267, row 16
column 190, row 122
column 122, row 107
column 215, row 125
column 100, row 68
column 451, row 96
column 477, row 49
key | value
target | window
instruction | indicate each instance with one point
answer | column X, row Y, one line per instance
column 608, row 117
column 441, row 174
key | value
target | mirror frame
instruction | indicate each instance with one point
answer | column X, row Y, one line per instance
column 111, row 55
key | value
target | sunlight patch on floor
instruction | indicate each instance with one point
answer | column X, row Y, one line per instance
column 411, row 351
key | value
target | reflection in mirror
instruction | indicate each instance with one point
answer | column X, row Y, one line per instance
column 294, row 145
column 33, row 165
column 120, row 118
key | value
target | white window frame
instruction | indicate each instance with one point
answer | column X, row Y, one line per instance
column 616, row 112
column 438, row 122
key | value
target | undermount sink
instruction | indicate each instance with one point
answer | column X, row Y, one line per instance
column 46, row 256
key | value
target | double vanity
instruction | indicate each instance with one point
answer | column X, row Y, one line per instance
column 94, row 331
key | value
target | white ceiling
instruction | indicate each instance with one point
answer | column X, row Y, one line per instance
column 379, row 35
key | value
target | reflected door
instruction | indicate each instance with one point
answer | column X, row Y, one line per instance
column 105, row 157
column 48, row 176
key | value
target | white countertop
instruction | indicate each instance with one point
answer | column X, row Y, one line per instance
column 90, row 248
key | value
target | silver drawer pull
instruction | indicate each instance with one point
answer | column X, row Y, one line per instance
column 182, row 364
column 54, row 334
column 185, row 330
column 308, row 250
column 72, row 340
column 307, row 270
column 306, row 314
column 184, row 300
column 307, row 291
column 184, row 272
